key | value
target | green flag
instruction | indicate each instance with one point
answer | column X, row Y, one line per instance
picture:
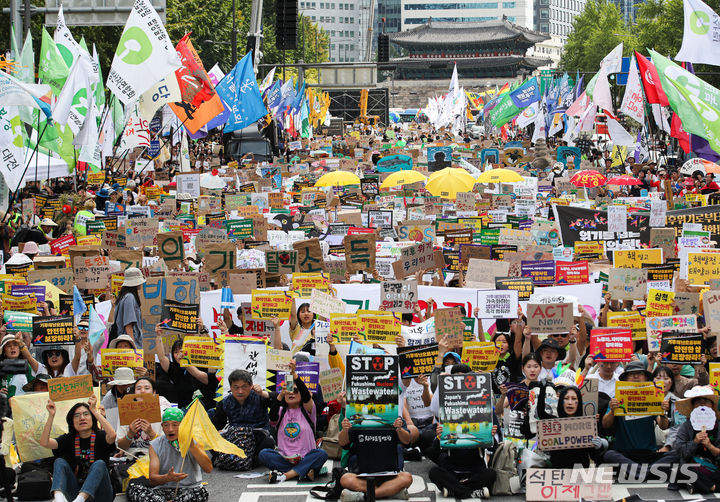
column 13, row 44
column 696, row 102
column 65, row 145
column 52, row 69
column 99, row 88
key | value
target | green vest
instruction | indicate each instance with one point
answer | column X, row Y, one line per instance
column 81, row 218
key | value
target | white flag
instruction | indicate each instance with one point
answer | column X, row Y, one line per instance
column 136, row 132
column 528, row 115
column 12, row 148
column 632, row 104
column 618, row 134
column 701, row 34
column 107, row 135
column 613, row 61
column 164, row 92
column 539, row 132
column 76, row 97
column 660, row 116
column 66, row 44
column 144, row 55
column 601, row 94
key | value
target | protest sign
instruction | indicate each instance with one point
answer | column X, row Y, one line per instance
column 23, row 289
column 66, row 388
column 278, row 360
column 26, row 303
column 590, row 250
column 482, row 273
column 656, row 326
column 245, row 353
column 378, row 328
column 134, row 406
column 171, row 248
column 711, row 308
column 303, row 284
column 243, row 282
column 59, row 277
column 627, row 283
column 634, row 258
column 360, row 253
column 525, row 286
column 324, row 304
column 331, row 383
column 91, row 272
column 343, row 327
column 55, row 330
column 448, row 321
column 281, row 262
column 702, row 267
column 632, row 320
column 141, row 232
column 480, row 356
column 566, row 433
column 112, row 359
column 372, row 385
column 589, row 392
column 572, row 272
column 18, row 321
column 611, row 344
column 686, row 303
column 466, row 410
column 546, row 319
column 568, row 485
column 180, row 317
column 682, row 348
column 497, row 304
column 417, row 360
column 542, row 271
column 659, row 303
column 639, row 398
column 127, row 258
column 309, row 373
column 270, row 304
column 415, row 258
column 202, row 352
column 398, row 296
column 310, row 256
column 219, row 257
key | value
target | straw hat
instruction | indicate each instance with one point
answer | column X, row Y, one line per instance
column 47, row 222
column 685, row 406
column 122, row 338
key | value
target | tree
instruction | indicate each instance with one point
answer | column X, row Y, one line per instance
column 596, row 32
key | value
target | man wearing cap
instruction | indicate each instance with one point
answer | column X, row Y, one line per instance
column 181, row 480
column 48, row 226
column 635, row 441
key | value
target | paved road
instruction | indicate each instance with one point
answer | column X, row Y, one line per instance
column 223, row 486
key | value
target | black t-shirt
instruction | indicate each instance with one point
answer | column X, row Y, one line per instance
column 66, row 450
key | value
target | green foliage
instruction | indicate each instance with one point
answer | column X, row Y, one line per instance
column 596, row 32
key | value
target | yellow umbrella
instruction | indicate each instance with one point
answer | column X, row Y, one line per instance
column 448, row 182
column 337, row 179
column 402, row 178
column 499, row 176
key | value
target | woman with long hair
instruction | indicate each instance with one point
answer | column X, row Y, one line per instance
column 301, row 321
column 82, row 455
column 128, row 317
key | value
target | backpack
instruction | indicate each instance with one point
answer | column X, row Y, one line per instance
column 331, row 441
column 504, row 463
column 333, row 488
column 34, row 483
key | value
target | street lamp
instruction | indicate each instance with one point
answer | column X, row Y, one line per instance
column 233, row 36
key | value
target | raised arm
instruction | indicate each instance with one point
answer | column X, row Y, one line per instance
column 45, row 440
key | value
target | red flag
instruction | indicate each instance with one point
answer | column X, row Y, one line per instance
column 195, row 84
column 677, row 131
column 651, row 81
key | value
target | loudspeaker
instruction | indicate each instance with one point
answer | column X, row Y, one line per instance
column 383, row 48
column 286, row 25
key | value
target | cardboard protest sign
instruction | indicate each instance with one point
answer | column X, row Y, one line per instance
column 480, row 356
column 219, row 257
column 331, row 383
column 171, row 248
column 180, row 317
column 65, row 388
column 372, row 385
column 417, row 360
column 611, row 344
column 378, row 328
column 711, row 308
column 497, row 304
column 682, row 348
column 627, row 283
column 448, row 321
column 55, row 330
column 416, row 258
column 141, row 232
column 343, row 327
column 482, row 272
column 569, row 485
column 656, row 326
column 61, row 278
column 659, row 303
column 279, row 360
column 589, row 392
column 202, row 352
column 525, row 286
column 112, row 359
column 281, row 262
column 631, row 320
column 470, row 251
column 546, row 319
column 324, row 304
column 310, row 256
column 566, row 433
column 466, row 410
column 639, row 398
column 398, row 296
column 134, row 406
column 127, row 258
column 359, row 253
column 243, row 282
column 270, row 304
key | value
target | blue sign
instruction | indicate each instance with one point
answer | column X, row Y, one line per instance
column 491, row 155
column 439, row 157
column 569, row 152
column 154, row 148
column 622, row 77
column 155, row 125
column 393, row 163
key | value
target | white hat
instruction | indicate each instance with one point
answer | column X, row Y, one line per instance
column 122, row 338
column 123, row 376
column 685, row 406
column 133, row 277
column 48, row 222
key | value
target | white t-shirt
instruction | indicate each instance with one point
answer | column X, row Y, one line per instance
column 606, row 386
column 416, row 407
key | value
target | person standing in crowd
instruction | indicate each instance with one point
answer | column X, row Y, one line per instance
column 128, row 316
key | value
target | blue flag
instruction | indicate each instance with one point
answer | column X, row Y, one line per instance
column 79, row 307
column 239, row 90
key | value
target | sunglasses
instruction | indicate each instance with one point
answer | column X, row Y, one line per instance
column 83, row 328
column 560, row 335
column 54, row 353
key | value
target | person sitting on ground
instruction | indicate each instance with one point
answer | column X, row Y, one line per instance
column 136, row 437
column 122, row 380
column 181, row 480
column 243, row 412
column 82, row 455
column 296, row 456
